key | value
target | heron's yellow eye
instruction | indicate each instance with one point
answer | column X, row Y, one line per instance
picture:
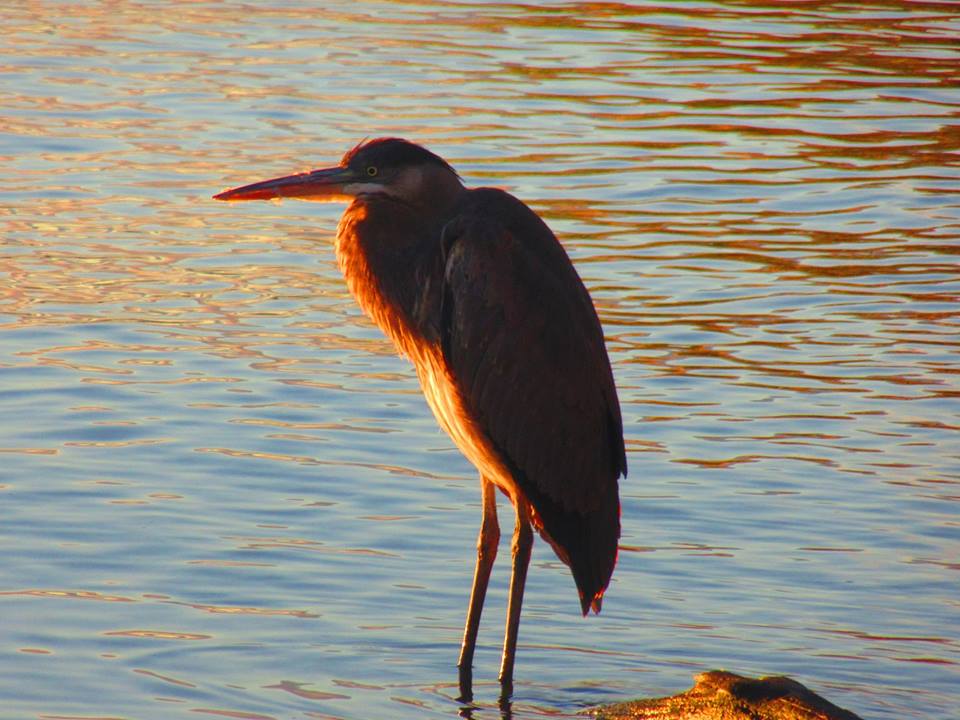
column 372, row 171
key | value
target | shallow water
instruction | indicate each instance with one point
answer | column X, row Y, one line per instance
column 222, row 492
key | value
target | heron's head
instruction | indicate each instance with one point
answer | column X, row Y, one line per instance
column 388, row 166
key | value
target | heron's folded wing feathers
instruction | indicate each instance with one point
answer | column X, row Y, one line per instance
column 523, row 342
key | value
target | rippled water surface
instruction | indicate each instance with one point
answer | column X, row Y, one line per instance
column 221, row 491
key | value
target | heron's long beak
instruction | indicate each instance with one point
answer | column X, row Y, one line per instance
column 327, row 184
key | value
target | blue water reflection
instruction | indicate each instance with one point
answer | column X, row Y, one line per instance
column 221, row 490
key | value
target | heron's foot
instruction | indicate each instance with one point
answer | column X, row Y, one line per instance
column 506, row 707
column 506, row 689
column 466, row 683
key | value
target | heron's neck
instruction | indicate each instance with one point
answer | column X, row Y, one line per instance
column 391, row 261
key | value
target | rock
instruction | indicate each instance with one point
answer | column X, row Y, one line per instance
column 719, row 695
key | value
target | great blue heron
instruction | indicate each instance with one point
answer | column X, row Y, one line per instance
column 474, row 288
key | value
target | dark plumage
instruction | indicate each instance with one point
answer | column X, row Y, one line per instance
column 393, row 153
column 476, row 290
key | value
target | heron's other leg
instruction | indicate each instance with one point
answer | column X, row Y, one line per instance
column 486, row 554
column 520, row 549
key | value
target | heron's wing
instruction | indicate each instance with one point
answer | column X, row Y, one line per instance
column 521, row 338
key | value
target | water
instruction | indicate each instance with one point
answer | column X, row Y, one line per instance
column 221, row 490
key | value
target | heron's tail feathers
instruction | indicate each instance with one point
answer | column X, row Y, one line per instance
column 586, row 542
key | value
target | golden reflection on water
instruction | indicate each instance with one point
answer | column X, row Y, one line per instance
column 761, row 198
column 300, row 690
column 71, row 594
column 157, row 635
column 164, row 678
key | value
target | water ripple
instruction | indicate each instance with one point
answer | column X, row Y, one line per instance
column 206, row 441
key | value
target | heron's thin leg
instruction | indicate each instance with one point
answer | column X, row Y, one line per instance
column 486, row 554
column 520, row 549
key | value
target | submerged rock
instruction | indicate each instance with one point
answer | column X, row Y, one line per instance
column 720, row 695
